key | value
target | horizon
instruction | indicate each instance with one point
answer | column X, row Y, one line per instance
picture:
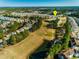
column 35, row 6
column 36, row 3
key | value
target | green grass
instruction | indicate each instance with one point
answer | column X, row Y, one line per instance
column 74, row 58
column 14, row 27
column 1, row 33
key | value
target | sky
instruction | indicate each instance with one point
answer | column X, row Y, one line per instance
column 27, row 3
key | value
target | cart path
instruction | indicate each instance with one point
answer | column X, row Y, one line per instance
column 26, row 47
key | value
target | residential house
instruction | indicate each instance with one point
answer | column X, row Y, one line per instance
column 66, row 54
column 13, row 33
column 62, row 21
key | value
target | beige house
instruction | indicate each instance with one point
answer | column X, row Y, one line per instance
column 62, row 21
column 67, row 53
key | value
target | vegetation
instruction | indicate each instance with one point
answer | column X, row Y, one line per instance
column 55, row 49
column 38, row 23
column 8, row 15
column 14, row 26
column 43, row 32
column 18, row 37
column 65, row 42
column 75, row 14
column 53, row 24
column 12, row 40
column 1, row 33
column 22, row 35
column 66, row 37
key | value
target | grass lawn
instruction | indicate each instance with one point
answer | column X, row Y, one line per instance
column 75, row 58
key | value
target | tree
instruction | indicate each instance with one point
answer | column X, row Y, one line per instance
column 53, row 24
column 21, row 36
column 14, row 26
column 1, row 33
column 12, row 40
column 66, row 37
column 37, row 24
column 65, row 42
column 55, row 49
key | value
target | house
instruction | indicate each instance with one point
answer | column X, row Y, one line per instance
column 73, row 35
column 8, row 35
column 62, row 21
column 21, row 30
column 3, row 26
column 21, row 21
column 1, row 40
column 66, row 54
column 75, row 46
column 74, row 25
column 78, row 35
column 25, row 28
column 60, row 32
column 75, row 43
column 18, row 20
column 5, row 38
column 13, row 33
column 17, row 31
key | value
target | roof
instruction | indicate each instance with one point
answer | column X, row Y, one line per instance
column 62, row 21
column 77, row 41
column 67, row 52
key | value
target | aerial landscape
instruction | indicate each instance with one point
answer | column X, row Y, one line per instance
column 39, row 29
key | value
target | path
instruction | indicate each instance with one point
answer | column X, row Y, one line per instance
column 27, row 46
